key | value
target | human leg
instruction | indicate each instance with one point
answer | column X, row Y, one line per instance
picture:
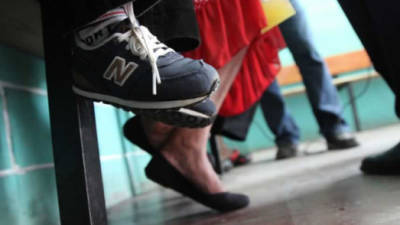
column 190, row 144
column 181, row 153
column 375, row 24
column 320, row 90
column 161, row 171
column 280, row 122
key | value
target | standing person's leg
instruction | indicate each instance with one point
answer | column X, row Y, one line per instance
column 376, row 25
column 280, row 122
column 321, row 92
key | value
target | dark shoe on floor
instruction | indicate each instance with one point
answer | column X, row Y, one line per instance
column 286, row 151
column 341, row 141
column 116, row 61
column 387, row 163
column 162, row 172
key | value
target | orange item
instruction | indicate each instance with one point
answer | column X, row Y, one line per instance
column 276, row 12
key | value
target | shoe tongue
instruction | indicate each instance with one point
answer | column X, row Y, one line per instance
column 98, row 31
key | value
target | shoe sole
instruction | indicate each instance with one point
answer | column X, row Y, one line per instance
column 169, row 112
column 182, row 117
column 286, row 156
column 173, row 104
column 338, row 147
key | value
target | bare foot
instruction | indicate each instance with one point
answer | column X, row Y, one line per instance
column 186, row 151
column 156, row 132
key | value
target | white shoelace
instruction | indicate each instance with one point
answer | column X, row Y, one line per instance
column 144, row 44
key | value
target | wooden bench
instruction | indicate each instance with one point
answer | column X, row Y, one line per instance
column 337, row 65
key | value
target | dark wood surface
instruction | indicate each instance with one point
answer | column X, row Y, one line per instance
column 21, row 25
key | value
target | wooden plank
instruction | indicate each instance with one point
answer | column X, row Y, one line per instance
column 338, row 81
column 337, row 64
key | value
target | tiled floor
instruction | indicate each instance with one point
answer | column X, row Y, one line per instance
column 322, row 188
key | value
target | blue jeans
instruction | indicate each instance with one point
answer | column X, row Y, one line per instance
column 320, row 90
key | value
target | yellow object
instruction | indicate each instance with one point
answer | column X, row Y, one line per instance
column 276, row 11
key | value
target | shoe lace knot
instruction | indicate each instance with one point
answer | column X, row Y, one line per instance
column 143, row 43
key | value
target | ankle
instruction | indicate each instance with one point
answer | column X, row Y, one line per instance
column 157, row 133
column 196, row 168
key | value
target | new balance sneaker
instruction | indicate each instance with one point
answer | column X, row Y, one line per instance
column 117, row 61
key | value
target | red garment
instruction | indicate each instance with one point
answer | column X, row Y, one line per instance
column 226, row 27
column 259, row 68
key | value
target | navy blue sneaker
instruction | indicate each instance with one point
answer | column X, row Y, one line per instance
column 119, row 62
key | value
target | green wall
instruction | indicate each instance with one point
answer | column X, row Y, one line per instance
column 27, row 181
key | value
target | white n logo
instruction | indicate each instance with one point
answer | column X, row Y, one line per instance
column 119, row 71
